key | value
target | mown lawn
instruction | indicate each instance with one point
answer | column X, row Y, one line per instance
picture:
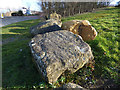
column 17, row 66
column 19, row 29
column 105, row 47
column 18, row 69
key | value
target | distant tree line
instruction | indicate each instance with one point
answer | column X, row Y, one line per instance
column 70, row 8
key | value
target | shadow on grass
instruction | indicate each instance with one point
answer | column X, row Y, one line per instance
column 17, row 25
column 22, row 31
column 4, row 36
column 111, row 8
column 18, row 29
column 102, row 61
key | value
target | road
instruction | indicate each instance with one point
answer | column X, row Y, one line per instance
column 14, row 19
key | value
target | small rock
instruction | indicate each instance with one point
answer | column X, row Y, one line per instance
column 20, row 50
column 55, row 16
column 46, row 26
column 69, row 86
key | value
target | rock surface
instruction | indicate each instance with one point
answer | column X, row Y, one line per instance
column 58, row 51
column 82, row 28
column 55, row 16
column 71, row 86
column 46, row 26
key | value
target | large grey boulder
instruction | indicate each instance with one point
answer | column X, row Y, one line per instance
column 46, row 26
column 58, row 51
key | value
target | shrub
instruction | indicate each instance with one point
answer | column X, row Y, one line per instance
column 20, row 13
column 14, row 14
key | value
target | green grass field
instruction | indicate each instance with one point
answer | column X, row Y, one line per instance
column 18, row 69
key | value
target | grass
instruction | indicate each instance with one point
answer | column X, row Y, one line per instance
column 105, row 47
column 17, row 66
column 19, row 70
column 19, row 29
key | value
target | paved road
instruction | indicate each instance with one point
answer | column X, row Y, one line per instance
column 14, row 19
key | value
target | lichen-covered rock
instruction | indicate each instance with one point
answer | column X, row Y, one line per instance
column 55, row 16
column 58, row 51
column 72, row 86
column 46, row 26
column 82, row 28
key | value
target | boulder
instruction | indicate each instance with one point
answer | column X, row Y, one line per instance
column 72, row 86
column 58, row 51
column 46, row 26
column 55, row 16
column 82, row 28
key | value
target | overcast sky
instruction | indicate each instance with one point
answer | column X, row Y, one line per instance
column 17, row 4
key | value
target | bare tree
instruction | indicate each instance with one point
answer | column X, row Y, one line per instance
column 70, row 8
